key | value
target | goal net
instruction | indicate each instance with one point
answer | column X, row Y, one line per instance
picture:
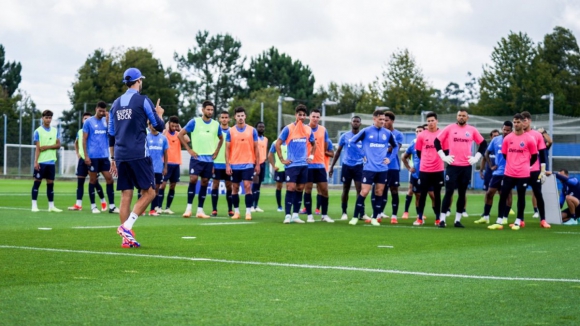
column 19, row 160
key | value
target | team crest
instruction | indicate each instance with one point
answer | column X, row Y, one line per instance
column 522, row 144
column 384, row 137
column 191, row 171
column 287, row 178
column 371, row 137
column 467, row 134
column 364, row 179
column 446, row 178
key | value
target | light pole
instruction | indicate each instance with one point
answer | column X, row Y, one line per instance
column 280, row 100
column 550, row 125
column 324, row 104
column 262, row 111
column 5, row 140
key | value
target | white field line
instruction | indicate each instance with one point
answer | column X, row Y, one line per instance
column 567, row 232
column 226, row 223
column 95, row 227
column 21, row 209
column 303, row 266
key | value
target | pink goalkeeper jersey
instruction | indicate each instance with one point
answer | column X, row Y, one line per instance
column 539, row 142
column 459, row 141
column 519, row 150
column 430, row 160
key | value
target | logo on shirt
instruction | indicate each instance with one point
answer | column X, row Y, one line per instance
column 364, row 179
column 522, row 144
column 371, row 137
column 299, row 140
column 384, row 137
column 460, row 140
column 371, row 145
column 467, row 134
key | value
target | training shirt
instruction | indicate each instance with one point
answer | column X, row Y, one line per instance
column 519, row 151
column 46, row 137
column 97, row 140
column 158, row 145
column 494, row 147
column 459, row 140
column 416, row 160
column 395, row 164
column 79, row 141
column 296, row 135
column 540, row 145
column 327, row 158
column 190, row 127
column 263, row 148
column 570, row 186
column 242, row 155
column 375, row 143
column 128, row 124
column 320, row 137
column 430, row 160
column 281, row 167
column 350, row 155
column 174, row 150
column 220, row 159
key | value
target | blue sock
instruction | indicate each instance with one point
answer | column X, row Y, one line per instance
column 308, row 203
column 202, row 194
column 80, row 188
column 249, row 201
column 50, row 191
column 92, row 193
column 170, row 196
column 214, row 198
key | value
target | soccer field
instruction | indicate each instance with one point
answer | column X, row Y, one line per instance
column 69, row 268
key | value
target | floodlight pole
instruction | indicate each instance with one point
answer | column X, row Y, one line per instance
column 5, row 140
column 20, row 140
column 262, row 111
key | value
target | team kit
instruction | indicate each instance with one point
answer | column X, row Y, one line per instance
column 133, row 143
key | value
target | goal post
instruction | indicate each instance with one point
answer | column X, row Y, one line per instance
column 19, row 159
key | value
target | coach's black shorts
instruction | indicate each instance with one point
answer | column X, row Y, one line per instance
column 135, row 174
column 242, row 175
column 220, row 174
column 280, row 176
column 370, row 177
column 297, row 174
column 350, row 173
column 317, row 175
column 393, row 178
column 47, row 171
column 172, row 173
column 100, row 165
column 199, row 168
column 495, row 182
column 82, row 168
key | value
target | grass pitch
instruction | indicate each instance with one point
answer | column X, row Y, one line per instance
column 69, row 268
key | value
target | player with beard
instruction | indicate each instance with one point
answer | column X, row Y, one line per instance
column 394, row 173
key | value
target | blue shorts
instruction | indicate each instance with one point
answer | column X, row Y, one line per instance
column 202, row 169
column 135, row 174
column 100, row 165
column 297, row 174
column 47, row 171
column 370, row 177
column 262, row 172
column 242, row 175
column 393, row 178
column 495, row 182
column 317, row 175
column 280, row 176
column 415, row 184
column 350, row 173
column 220, row 174
column 487, row 176
column 82, row 168
column 173, row 173
column 158, row 178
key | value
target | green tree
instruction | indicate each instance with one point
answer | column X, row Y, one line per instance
column 100, row 79
column 274, row 69
column 212, row 70
column 350, row 98
column 252, row 104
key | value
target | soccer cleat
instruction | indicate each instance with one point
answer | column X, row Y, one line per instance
column 544, row 224
column 458, row 225
column 570, row 222
column 201, row 215
column 103, row 207
column 54, row 210
column 303, row 211
column 187, row 214
column 353, row 221
column 366, row 218
column 464, row 214
column 287, row 219
column 168, row 211
column 95, row 211
column 159, row 210
column 114, row 210
column 258, row 209
column 280, row 209
column 213, row 213
column 522, row 224
column 495, row 227
column 504, row 221
column 482, row 220
column 236, row 216
column 442, row 224
column 310, row 219
column 231, row 213
column 514, row 227
column 252, row 209
column 436, row 221
column 418, row 222
column 536, row 215
column 375, row 222
column 153, row 213
column 394, row 220
column 75, row 208
column 317, row 212
column 344, row 217
column 405, row 215
column 35, row 209
column 248, row 216
column 326, row 219
column 512, row 212
column 297, row 219
column 127, row 235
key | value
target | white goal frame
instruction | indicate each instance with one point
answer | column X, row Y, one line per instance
column 6, row 146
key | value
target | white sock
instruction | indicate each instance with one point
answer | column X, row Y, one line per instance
column 518, row 222
column 248, row 210
column 200, row 209
column 103, row 200
column 457, row 217
column 111, row 206
column 295, row 215
column 499, row 220
column 93, row 206
column 442, row 217
column 310, row 217
column 130, row 221
column 79, row 202
column 237, row 210
column 50, row 204
column 34, row 204
column 188, row 208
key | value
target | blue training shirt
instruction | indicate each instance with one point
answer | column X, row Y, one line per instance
column 128, row 124
column 411, row 150
column 37, row 139
column 228, row 139
column 494, row 147
column 297, row 148
column 375, row 145
column 351, row 155
column 222, row 165
column 97, row 140
column 190, row 127
column 157, row 145
column 395, row 164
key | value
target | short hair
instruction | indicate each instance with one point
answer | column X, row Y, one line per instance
column 508, row 123
column 131, row 83
column 425, row 126
column 355, row 117
column 207, row 103
column 493, row 132
column 87, row 114
column 101, row 105
column 421, row 126
column 315, row 111
column 47, row 113
column 301, row 108
column 431, row 114
column 565, row 171
column 463, row 110
column 518, row 116
column 526, row 115
column 240, row 109
column 259, row 122
column 390, row 114
column 224, row 112
column 174, row 119
column 378, row 113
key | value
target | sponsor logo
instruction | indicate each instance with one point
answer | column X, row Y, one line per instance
column 371, row 137
column 364, row 179
column 446, row 178
column 191, row 171
column 156, row 148
column 100, row 132
column 429, row 146
column 460, row 140
column 287, row 178
column 299, row 140
column 124, row 114
column 513, row 150
column 377, row 145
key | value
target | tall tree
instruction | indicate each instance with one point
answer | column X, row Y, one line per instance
column 252, row 104
column 274, row 69
column 350, row 98
column 9, row 75
column 212, row 70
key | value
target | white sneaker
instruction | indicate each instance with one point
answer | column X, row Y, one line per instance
column 374, row 222
column 296, row 219
column 536, row 215
column 344, row 217
column 168, row 211
column 383, row 215
column 326, row 219
column 95, row 211
column 258, row 209
column 464, row 214
column 252, row 209
column 159, row 210
column 287, row 219
column 54, row 210
column 310, row 219
column 35, row 209
column 353, row 221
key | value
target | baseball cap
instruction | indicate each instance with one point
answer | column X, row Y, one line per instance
column 132, row 74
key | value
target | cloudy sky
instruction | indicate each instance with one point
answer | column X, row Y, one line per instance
column 342, row 41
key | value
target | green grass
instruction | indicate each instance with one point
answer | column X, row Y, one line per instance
column 157, row 284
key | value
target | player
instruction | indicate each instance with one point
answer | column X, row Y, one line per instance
column 352, row 163
column 242, row 160
column 485, row 171
column 279, row 170
column 431, row 168
column 316, row 170
column 520, row 152
column 296, row 135
column 328, row 154
column 219, row 170
column 394, row 173
column 497, row 166
column 570, row 195
column 458, row 137
column 206, row 142
column 82, row 172
column 375, row 146
column 260, row 127
column 96, row 149
column 47, row 141
column 130, row 159
column 158, row 151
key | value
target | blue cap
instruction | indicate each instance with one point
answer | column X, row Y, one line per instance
column 131, row 75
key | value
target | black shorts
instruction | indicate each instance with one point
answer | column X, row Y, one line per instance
column 99, row 165
column 429, row 181
column 317, row 175
column 82, row 168
column 534, row 182
column 262, row 172
column 297, row 174
column 135, row 174
column 220, row 174
column 47, row 171
column 280, row 176
column 370, row 177
column 393, row 178
column 158, row 178
column 457, row 175
column 487, row 176
column 495, row 182
column 199, row 168
column 242, row 175
column 349, row 173
column 173, row 173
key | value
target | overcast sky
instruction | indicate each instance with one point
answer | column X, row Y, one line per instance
column 341, row 41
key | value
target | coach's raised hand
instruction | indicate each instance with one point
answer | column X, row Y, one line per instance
column 159, row 109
